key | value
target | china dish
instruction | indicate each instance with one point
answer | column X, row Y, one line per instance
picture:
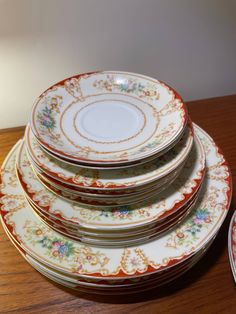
column 136, row 286
column 130, row 216
column 83, row 197
column 80, row 118
column 71, row 257
column 109, row 179
column 113, row 190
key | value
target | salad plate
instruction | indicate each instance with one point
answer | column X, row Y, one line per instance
column 117, row 217
column 108, row 117
column 106, row 201
column 85, row 261
column 105, row 194
column 115, row 179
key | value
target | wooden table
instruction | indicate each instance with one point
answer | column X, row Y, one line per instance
column 207, row 288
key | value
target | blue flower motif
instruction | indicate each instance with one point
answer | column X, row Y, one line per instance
column 201, row 215
column 46, row 118
column 123, row 210
column 63, row 249
column 124, row 86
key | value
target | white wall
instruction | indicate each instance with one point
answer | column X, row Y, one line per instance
column 189, row 44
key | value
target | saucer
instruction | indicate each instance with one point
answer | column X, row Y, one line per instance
column 108, row 117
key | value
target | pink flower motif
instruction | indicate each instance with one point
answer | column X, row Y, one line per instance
column 56, row 245
column 79, row 268
column 197, row 221
column 11, row 203
column 89, row 257
column 116, row 214
column 122, row 212
column 134, row 261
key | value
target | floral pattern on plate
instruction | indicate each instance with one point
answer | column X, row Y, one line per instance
column 136, row 283
column 118, row 217
column 129, row 86
column 94, row 262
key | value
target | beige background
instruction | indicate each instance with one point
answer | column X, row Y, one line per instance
column 189, row 44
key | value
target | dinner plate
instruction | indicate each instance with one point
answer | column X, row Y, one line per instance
column 117, row 217
column 114, row 284
column 86, row 261
column 133, row 284
column 111, row 291
column 108, row 117
column 115, row 179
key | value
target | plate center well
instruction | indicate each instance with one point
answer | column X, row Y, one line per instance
column 109, row 121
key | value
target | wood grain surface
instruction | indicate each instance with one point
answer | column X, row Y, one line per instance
column 206, row 288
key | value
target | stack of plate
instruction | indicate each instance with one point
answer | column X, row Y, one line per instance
column 232, row 245
column 113, row 190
